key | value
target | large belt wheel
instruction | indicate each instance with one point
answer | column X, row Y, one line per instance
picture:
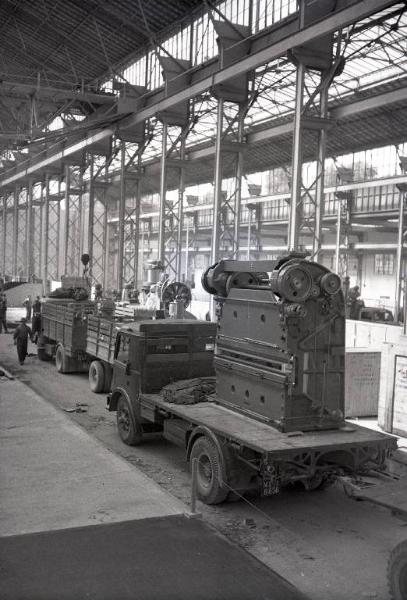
column 397, row 572
column 176, row 290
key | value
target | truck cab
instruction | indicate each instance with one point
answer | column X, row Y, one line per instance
column 149, row 355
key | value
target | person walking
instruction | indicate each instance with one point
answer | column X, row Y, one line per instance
column 21, row 335
column 36, row 320
column 3, row 313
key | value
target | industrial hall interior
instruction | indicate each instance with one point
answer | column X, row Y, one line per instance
column 203, row 299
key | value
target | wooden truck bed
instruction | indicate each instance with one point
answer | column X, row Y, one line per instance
column 100, row 338
column 262, row 437
column 65, row 322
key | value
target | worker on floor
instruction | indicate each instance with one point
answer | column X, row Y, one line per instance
column 3, row 313
column 28, row 306
column 21, row 335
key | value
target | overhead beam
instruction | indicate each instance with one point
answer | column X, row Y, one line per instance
column 341, row 18
column 56, row 93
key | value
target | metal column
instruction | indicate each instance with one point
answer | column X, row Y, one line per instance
column 400, row 276
column 217, row 201
column 121, row 225
column 91, row 213
column 163, row 190
column 15, row 231
column 46, row 232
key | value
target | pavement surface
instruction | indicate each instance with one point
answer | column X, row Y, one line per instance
column 328, row 546
column 167, row 558
column 55, row 475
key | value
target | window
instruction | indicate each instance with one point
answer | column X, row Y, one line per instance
column 122, row 348
column 384, row 264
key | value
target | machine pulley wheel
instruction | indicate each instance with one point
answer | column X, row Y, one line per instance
column 206, row 276
column 292, row 282
column 176, row 290
column 397, row 572
column 330, row 283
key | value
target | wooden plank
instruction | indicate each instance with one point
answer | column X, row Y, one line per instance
column 399, row 424
column 362, row 383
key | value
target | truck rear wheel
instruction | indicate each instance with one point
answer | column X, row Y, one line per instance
column 61, row 360
column 209, row 475
column 397, row 572
column 97, row 376
column 129, row 430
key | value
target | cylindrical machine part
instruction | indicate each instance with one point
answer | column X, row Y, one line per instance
column 154, row 271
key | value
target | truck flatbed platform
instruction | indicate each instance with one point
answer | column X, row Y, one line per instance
column 264, row 438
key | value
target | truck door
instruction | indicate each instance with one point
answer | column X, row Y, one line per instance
column 121, row 370
column 125, row 374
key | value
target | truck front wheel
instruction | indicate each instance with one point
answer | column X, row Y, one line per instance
column 96, row 377
column 397, row 572
column 129, row 431
column 209, row 473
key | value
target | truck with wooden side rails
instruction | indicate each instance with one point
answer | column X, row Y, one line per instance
column 266, row 408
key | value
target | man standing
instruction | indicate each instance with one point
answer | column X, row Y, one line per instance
column 21, row 335
column 3, row 313
column 36, row 320
column 27, row 304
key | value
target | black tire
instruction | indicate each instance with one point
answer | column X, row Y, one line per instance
column 97, row 376
column 397, row 572
column 42, row 355
column 61, row 359
column 209, row 475
column 129, row 430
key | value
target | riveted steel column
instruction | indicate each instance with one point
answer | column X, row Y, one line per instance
column 29, row 246
column 91, row 213
column 67, row 209
column 41, row 228
column 399, row 256
column 4, row 234
column 320, row 179
column 181, row 190
column 137, row 219
column 121, row 224
column 163, row 191
column 15, row 230
column 46, row 232
column 295, row 206
column 217, row 200
column 238, row 192
column 338, row 236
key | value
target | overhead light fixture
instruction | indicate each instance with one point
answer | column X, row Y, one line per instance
column 365, row 225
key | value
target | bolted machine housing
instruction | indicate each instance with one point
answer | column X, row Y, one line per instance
column 280, row 342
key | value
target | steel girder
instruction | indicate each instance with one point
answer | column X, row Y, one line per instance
column 52, row 229
column 73, row 219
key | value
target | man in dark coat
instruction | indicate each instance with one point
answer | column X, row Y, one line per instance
column 21, row 335
column 3, row 313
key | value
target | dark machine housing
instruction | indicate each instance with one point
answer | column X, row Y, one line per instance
column 280, row 342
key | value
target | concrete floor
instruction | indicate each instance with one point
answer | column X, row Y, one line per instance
column 327, row 545
column 55, row 475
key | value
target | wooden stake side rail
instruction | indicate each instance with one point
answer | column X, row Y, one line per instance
column 264, row 438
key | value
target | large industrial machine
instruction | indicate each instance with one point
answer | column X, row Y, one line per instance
column 281, row 340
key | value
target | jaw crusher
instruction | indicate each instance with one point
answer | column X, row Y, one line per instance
column 280, row 346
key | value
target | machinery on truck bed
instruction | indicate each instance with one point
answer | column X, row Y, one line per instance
column 269, row 409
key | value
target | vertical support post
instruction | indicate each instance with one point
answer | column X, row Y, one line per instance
column 4, row 234
column 15, row 230
column 217, row 201
column 137, row 220
column 181, row 190
column 46, row 232
column 238, row 191
column 320, row 179
column 58, row 236
column 80, row 217
column 121, row 225
column 338, row 237
column 41, row 228
column 67, row 209
column 29, row 247
column 163, row 190
column 91, row 214
column 249, row 232
column 399, row 256
column 295, row 206
column 106, row 247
